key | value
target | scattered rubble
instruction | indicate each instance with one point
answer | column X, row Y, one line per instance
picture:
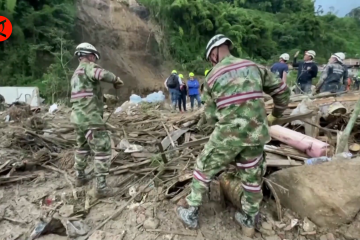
column 152, row 160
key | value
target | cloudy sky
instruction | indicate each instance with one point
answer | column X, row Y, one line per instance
column 342, row 7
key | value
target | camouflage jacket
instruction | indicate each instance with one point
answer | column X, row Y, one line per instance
column 86, row 94
column 233, row 96
column 333, row 73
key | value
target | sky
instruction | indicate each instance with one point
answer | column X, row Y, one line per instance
column 342, row 7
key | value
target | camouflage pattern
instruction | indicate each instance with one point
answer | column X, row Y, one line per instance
column 233, row 95
column 86, row 115
column 332, row 78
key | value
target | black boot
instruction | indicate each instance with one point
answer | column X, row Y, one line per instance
column 189, row 216
column 102, row 190
column 248, row 223
column 81, row 178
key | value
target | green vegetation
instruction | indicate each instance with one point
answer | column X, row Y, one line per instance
column 40, row 47
column 260, row 29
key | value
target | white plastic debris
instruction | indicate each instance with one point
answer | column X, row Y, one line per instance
column 53, row 108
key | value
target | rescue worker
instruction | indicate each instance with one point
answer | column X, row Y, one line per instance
column 334, row 76
column 233, row 95
column 281, row 68
column 86, row 115
column 172, row 84
column 307, row 71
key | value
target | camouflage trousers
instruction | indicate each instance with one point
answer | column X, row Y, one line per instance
column 215, row 157
column 96, row 141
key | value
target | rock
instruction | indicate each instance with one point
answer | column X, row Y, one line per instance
column 323, row 237
column 327, row 193
column 101, row 235
column 274, row 237
column 308, row 225
column 149, row 212
column 302, row 238
column 266, row 226
column 330, row 236
column 140, row 218
column 66, row 210
column 151, row 223
column 353, row 231
column 266, row 232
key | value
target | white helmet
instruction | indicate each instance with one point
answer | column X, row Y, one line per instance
column 285, row 56
column 311, row 53
column 84, row 49
column 217, row 41
column 339, row 56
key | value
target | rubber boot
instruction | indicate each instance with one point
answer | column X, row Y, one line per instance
column 102, row 190
column 81, row 178
column 248, row 223
column 189, row 216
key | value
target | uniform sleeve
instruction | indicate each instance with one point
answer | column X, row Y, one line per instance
column 97, row 73
column 278, row 90
column 295, row 63
column 209, row 105
column 323, row 76
column 314, row 70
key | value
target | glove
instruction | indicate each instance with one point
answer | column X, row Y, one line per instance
column 271, row 119
column 118, row 83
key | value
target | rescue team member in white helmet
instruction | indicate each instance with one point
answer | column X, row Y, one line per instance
column 233, row 95
column 307, row 71
column 281, row 68
column 334, row 77
column 86, row 115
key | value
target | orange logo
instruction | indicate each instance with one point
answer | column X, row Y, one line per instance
column 5, row 28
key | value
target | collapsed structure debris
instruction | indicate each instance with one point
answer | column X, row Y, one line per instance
column 156, row 149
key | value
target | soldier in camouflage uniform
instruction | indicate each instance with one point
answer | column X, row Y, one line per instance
column 233, row 96
column 334, row 77
column 86, row 115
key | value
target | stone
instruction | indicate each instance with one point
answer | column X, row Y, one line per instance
column 140, row 218
column 308, row 225
column 323, row 237
column 274, row 237
column 151, row 223
column 66, row 210
column 330, row 236
column 266, row 226
column 149, row 212
column 327, row 193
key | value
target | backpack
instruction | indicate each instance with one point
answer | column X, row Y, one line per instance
column 173, row 81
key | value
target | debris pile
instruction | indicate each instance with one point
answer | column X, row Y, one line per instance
column 154, row 149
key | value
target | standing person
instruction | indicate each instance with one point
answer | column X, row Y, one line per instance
column 194, row 90
column 281, row 68
column 334, row 76
column 86, row 115
column 183, row 95
column 233, row 96
column 172, row 84
column 307, row 70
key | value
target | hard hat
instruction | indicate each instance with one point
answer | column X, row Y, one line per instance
column 206, row 72
column 181, row 76
column 339, row 56
column 173, row 71
column 217, row 41
column 191, row 74
column 84, row 49
column 311, row 53
column 285, row 56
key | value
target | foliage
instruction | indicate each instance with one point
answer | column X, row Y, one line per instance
column 260, row 29
column 38, row 50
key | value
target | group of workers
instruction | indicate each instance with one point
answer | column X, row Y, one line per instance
column 179, row 90
column 334, row 77
column 234, row 105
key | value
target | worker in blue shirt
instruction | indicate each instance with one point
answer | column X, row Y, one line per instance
column 281, row 68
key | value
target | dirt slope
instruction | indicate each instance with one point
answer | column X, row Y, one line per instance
column 126, row 42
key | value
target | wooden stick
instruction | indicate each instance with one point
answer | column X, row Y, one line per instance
column 172, row 232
